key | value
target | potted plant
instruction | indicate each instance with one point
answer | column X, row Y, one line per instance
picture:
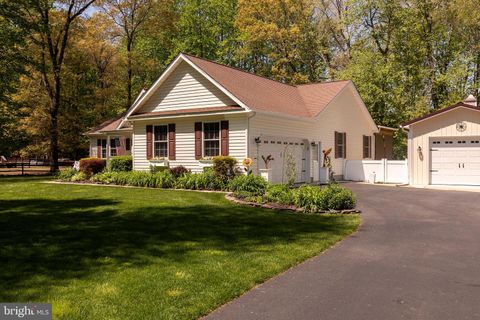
column 247, row 163
column 159, row 161
column 267, row 172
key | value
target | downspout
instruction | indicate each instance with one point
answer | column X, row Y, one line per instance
column 251, row 115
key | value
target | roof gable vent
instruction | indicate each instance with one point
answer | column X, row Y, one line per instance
column 471, row 100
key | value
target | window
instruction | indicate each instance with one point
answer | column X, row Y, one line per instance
column 160, row 141
column 114, row 145
column 340, row 144
column 104, row 148
column 128, row 144
column 367, row 147
column 211, row 139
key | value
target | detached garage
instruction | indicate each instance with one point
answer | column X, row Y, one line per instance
column 444, row 146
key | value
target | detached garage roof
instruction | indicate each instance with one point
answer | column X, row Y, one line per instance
column 466, row 104
column 253, row 92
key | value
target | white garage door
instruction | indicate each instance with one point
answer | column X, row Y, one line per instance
column 280, row 148
column 455, row 161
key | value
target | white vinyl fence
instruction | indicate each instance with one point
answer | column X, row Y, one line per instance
column 384, row 171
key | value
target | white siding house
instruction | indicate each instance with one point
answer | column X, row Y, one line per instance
column 198, row 109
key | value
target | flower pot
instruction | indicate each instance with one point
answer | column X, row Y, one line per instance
column 266, row 174
column 324, row 174
column 159, row 162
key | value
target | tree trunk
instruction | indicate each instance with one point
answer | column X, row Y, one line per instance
column 477, row 79
column 129, row 72
column 55, row 106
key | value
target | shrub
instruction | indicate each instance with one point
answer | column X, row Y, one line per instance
column 224, row 167
column 254, row 185
column 137, row 179
column 179, row 171
column 155, row 169
column 331, row 197
column 66, row 174
column 91, row 166
column 120, row 163
column 338, row 198
column 79, row 176
column 280, row 193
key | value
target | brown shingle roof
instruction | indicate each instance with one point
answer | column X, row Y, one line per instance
column 108, row 126
column 429, row 115
column 263, row 94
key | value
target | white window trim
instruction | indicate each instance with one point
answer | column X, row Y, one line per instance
column 102, row 148
column 114, row 148
column 155, row 141
column 219, row 138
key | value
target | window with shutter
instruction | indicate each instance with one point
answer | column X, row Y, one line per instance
column 367, row 147
column 340, row 144
column 160, row 141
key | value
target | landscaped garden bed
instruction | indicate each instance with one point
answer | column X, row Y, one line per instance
column 223, row 176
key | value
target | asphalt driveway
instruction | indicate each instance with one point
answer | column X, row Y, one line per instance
column 416, row 256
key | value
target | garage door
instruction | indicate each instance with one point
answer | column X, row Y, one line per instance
column 455, row 161
column 280, row 148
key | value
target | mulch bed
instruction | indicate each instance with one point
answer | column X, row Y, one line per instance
column 277, row 206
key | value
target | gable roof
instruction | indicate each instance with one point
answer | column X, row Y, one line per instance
column 441, row 111
column 257, row 93
column 110, row 125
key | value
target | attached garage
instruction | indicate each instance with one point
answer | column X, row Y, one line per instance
column 282, row 149
column 444, row 146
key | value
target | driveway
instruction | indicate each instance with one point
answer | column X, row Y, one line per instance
column 416, row 256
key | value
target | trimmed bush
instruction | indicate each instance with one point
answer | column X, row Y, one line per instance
column 66, row 174
column 179, row 171
column 91, row 166
column 331, row 197
column 120, row 163
column 280, row 193
column 155, row 169
column 224, row 167
column 254, row 185
column 79, row 176
column 137, row 179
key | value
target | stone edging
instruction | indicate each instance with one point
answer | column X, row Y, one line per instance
column 274, row 206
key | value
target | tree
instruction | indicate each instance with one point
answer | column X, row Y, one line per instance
column 50, row 23
column 129, row 16
column 280, row 39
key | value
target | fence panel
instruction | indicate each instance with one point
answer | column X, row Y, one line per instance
column 385, row 171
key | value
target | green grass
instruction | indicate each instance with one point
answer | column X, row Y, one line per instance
column 127, row 253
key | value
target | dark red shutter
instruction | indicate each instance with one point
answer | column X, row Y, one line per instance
column 149, row 142
column 99, row 148
column 171, row 141
column 224, row 138
column 345, row 145
column 336, row 148
column 198, row 140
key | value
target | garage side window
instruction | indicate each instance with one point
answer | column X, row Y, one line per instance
column 340, row 144
column 211, row 139
column 160, row 146
column 367, row 147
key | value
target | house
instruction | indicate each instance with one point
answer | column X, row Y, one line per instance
column 199, row 109
column 444, row 146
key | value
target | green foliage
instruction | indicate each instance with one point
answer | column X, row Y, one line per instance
column 280, row 193
column 155, row 169
column 224, row 167
column 330, row 197
column 137, row 178
column 66, row 174
column 253, row 185
column 120, row 163
column 290, row 168
column 79, row 177
column 91, row 166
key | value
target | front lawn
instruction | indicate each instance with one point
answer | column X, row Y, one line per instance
column 127, row 253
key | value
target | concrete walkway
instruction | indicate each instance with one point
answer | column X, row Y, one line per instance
column 416, row 256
